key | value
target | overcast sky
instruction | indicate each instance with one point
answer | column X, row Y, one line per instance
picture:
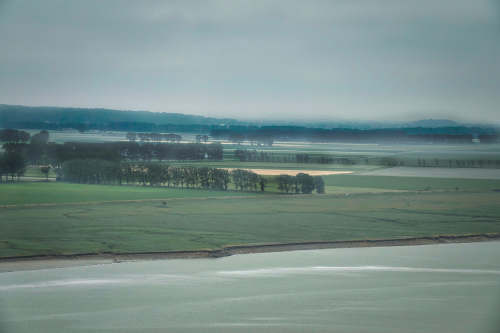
column 345, row 59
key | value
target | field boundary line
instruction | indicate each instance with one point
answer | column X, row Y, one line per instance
column 79, row 203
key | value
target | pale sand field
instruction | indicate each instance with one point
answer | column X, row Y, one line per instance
column 276, row 172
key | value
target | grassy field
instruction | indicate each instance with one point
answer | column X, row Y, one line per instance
column 103, row 218
column 195, row 223
column 411, row 183
column 52, row 192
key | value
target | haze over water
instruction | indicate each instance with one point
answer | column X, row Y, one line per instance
column 433, row 288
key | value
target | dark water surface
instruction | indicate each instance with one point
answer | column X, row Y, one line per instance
column 433, row 288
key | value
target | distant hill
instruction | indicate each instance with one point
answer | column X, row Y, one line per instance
column 432, row 123
column 12, row 114
column 48, row 117
column 426, row 123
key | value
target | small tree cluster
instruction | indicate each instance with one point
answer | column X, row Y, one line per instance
column 12, row 164
column 13, row 135
column 156, row 137
column 301, row 183
column 246, row 180
column 201, row 138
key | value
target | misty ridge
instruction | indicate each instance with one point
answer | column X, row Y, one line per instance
column 85, row 119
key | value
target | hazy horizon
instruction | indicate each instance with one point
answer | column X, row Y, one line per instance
column 384, row 61
column 282, row 120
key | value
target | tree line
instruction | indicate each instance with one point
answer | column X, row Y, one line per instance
column 14, row 135
column 12, row 164
column 157, row 137
column 13, row 161
column 248, row 155
column 94, row 171
column 134, row 151
column 447, row 135
column 21, row 148
column 301, row 183
column 39, row 151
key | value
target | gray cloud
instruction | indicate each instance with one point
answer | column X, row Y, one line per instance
column 362, row 59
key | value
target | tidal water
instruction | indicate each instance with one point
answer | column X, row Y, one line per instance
column 434, row 288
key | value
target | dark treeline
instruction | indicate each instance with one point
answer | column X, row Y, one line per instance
column 96, row 171
column 91, row 171
column 252, row 155
column 157, row 137
column 13, row 161
column 21, row 148
column 301, row 183
column 133, row 151
column 14, row 135
column 122, row 126
column 56, row 154
column 12, row 164
column 268, row 134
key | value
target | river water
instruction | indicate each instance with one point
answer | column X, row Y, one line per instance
column 433, row 288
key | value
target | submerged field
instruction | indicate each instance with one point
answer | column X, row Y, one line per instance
column 365, row 155
column 199, row 219
column 457, row 173
column 434, row 288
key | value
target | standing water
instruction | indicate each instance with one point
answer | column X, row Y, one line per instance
column 433, row 288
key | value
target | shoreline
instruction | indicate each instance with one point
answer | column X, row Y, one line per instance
column 33, row 262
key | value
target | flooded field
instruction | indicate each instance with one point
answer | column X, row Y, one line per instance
column 96, row 136
column 467, row 173
column 432, row 288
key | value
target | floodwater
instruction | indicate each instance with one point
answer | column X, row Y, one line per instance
column 470, row 173
column 433, row 288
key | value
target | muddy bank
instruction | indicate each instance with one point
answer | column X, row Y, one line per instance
column 55, row 261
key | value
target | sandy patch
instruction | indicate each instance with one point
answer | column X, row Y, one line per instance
column 277, row 172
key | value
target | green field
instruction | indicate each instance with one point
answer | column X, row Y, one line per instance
column 205, row 220
column 411, row 183
column 61, row 218
column 52, row 192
